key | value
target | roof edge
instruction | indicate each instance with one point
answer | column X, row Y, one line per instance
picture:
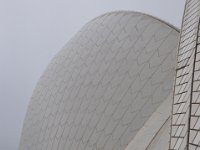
column 141, row 13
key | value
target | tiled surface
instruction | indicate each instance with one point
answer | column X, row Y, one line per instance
column 154, row 134
column 194, row 138
column 185, row 128
column 100, row 89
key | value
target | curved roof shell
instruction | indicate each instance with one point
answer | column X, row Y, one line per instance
column 104, row 85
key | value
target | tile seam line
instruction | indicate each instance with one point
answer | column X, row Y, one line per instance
column 168, row 118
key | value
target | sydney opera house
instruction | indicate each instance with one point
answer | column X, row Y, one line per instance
column 125, row 81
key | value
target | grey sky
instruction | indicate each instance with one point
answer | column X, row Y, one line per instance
column 33, row 31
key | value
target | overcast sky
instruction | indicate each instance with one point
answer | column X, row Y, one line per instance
column 33, row 31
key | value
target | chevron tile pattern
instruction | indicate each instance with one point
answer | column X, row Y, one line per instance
column 185, row 117
column 102, row 87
